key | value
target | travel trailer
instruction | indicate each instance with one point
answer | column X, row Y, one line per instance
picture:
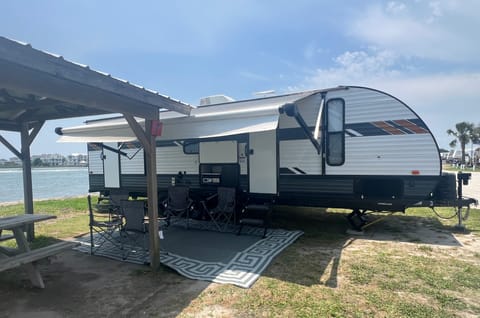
column 346, row 147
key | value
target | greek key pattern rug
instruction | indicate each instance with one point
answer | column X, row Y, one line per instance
column 242, row 270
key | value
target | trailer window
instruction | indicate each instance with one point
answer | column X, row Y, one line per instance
column 335, row 132
column 191, row 148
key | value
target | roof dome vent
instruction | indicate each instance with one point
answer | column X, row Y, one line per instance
column 215, row 99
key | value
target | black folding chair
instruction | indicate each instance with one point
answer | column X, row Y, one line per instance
column 223, row 212
column 105, row 220
column 178, row 204
column 134, row 230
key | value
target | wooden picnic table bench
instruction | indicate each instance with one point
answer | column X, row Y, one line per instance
column 5, row 237
column 35, row 255
column 23, row 255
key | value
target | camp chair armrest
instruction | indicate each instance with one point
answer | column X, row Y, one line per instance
column 211, row 197
column 207, row 199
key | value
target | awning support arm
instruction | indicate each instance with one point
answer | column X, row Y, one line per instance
column 121, row 153
column 318, row 123
column 291, row 110
column 115, row 150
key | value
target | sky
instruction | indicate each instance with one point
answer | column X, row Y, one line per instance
column 426, row 53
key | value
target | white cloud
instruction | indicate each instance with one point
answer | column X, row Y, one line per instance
column 441, row 99
column 423, row 52
column 395, row 7
column 444, row 30
column 253, row 76
column 437, row 11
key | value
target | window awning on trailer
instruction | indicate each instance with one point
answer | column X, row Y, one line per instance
column 203, row 122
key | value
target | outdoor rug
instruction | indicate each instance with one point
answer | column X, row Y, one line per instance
column 203, row 254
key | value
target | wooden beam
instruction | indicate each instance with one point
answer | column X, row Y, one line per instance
column 149, row 144
column 42, row 84
column 9, row 125
column 27, row 178
column 24, row 56
column 10, row 147
column 34, row 132
column 152, row 193
column 138, row 131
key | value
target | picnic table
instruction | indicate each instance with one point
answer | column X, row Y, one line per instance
column 23, row 255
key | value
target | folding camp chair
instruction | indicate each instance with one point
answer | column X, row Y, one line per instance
column 105, row 220
column 178, row 204
column 223, row 213
column 133, row 231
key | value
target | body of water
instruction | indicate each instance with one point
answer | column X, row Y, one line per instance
column 48, row 183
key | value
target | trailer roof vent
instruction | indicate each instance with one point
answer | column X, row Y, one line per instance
column 215, row 99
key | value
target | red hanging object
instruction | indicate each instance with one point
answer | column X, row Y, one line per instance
column 157, row 127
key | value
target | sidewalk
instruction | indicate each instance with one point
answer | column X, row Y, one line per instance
column 472, row 190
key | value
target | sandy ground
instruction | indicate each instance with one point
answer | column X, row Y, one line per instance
column 80, row 285
column 472, row 190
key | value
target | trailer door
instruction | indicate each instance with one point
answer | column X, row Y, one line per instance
column 263, row 162
column 111, row 167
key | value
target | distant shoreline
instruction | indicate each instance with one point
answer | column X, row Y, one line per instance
column 49, row 167
column 48, row 199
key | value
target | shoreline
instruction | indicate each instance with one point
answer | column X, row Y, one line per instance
column 8, row 203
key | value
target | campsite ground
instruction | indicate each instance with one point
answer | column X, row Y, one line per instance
column 412, row 265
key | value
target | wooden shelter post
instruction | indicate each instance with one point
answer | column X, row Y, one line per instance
column 27, row 178
column 27, row 137
column 148, row 142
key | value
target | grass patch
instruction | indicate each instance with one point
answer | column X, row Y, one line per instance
column 72, row 219
column 326, row 272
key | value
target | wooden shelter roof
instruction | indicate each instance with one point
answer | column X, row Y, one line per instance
column 36, row 86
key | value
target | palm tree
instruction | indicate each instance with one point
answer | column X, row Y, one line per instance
column 464, row 133
column 475, row 139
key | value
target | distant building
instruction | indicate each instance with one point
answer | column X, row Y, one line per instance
column 77, row 159
column 15, row 160
column 49, row 160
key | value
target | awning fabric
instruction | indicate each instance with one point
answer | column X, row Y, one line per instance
column 178, row 129
column 203, row 122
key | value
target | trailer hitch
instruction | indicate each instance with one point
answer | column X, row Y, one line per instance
column 462, row 179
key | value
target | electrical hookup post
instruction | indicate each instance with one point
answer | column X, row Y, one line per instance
column 462, row 179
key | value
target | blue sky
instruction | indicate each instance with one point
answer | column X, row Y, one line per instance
column 426, row 53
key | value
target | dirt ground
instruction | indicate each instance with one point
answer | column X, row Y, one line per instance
column 80, row 285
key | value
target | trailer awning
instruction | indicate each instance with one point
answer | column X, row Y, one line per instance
column 188, row 128
column 203, row 122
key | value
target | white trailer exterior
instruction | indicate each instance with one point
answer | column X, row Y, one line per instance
column 347, row 147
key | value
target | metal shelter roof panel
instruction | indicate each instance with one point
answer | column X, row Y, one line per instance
column 37, row 86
